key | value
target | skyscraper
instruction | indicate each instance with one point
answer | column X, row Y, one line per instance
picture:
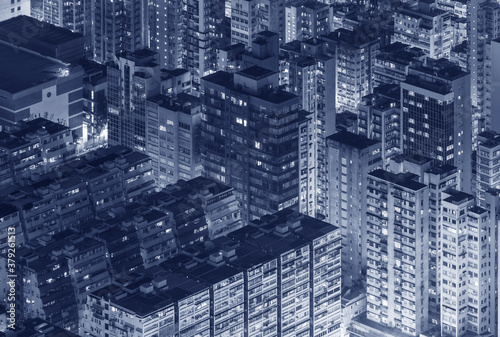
column 492, row 83
column 398, row 251
column 306, row 19
column 355, row 55
column 379, row 118
column 169, row 33
column 349, row 159
column 132, row 78
column 249, row 17
column 310, row 74
column 436, row 116
column 438, row 178
column 424, row 26
column 483, row 17
column 173, row 138
column 487, row 165
column 250, row 139
column 467, row 249
column 204, row 26
column 119, row 26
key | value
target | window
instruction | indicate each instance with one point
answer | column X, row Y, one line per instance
column 184, row 126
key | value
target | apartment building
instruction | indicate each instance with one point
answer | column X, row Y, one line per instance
column 350, row 157
column 397, row 252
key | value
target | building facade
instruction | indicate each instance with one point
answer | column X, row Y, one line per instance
column 132, row 78
column 436, row 116
column 250, row 139
column 173, row 138
column 424, row 26
column 119, row 27
column 397, row 252
column 467, row 274
column 350, row 157
column 306, row 20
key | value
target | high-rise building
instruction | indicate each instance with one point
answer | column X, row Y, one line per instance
column 132, row 78
column 245, row 21
column 493, row 206
column 483, row 17
column 303, row 66
column 176, row 81
column 436, row 116
column 173, row 138
column 155, row 231
column 467, row 249
column 169, row 33
column 397, row 252
column 355, row 58
column 95, row 106
column 456, row 7
column 438, row 178
column 250, row 139
column 187, row 34
column 350, row 157
column 393, row 62
column 305, row 19
column 249, row 17
column 425, row 26
column 379, row 118
column 75, row 15
column 48, row 287
column 487, row 165
column 113, row 176
column 265, row 52
column 280, row 276
column 119, row 26
column 36, row 147
column 205, row 27
column 492, row 83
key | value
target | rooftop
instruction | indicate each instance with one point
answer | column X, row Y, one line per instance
column 175, row 72
column 422, row 10
column 255, row 72
column 40, row 123
column 446, row 168
column 261, row 232
column 182, row 102
column 43, row 31
column 6, row 209
column 22, row 70
column 353, row 140
column 489, row 139
column 382, row 329
column 308, row 4
column 142, row 304
column 406, row 180
column 457, row 197
column 439, row 70
column 477, row 209
column 226, row 79
column 350, row 38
